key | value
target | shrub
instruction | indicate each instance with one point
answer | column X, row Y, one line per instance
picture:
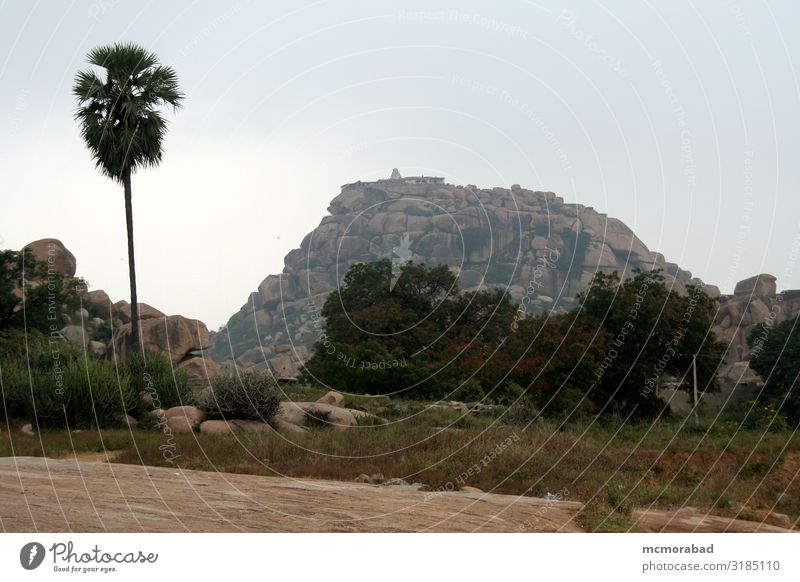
column 74, row 395
column 247, row 396
column 155, row 374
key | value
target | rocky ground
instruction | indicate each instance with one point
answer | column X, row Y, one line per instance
column 40, row 494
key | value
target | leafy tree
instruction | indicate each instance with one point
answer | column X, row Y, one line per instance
column 47, row 295
column 121, row 124
column 776, row 358
column 651, row 331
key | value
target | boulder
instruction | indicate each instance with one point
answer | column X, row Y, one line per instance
column 179, row 425
column 74, row 334
column 337, row 418
column 128, row 420
column 759, row 286
column 97, row 348
column 333, row 398
column 285, row 366
column 298, row 413
column 123, row 311
column 100, row 300
column 174, row 335
column 215, row 427
column 53, row 252
column 288, row 428
column 200, row 367
column 27, row 429
column 193, row 414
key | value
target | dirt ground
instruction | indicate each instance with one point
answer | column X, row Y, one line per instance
column 90, row 494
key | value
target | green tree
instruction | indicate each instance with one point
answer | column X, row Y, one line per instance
column 651, row 331
column 47, row 296
column 776, row 358
column 121, row 124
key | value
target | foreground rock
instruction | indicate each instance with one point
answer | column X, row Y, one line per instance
column 199, row 501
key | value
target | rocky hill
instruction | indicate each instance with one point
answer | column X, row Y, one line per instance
column 543, row 250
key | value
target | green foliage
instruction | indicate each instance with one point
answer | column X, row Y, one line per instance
column 650, row 331
column 155, row 374
column 247, row 396
column 48, row 296
column 424, row 339
column 419, row 338
column 776, row 358
column 77, row 394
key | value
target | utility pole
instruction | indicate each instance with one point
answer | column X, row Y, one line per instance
column 694, row 375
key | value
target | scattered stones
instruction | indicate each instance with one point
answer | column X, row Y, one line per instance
column 397, row 482
column 780, row 519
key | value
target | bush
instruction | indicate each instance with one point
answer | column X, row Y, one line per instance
column 247, row 396
column 155, row 374
column 73, row 394
column 36, row 349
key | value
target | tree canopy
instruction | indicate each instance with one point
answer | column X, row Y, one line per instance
column 776, row 358
column 424, row 338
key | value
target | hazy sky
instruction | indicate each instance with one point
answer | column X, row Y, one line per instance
column 680, row 118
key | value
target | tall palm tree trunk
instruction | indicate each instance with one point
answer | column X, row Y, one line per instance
column 126, row 181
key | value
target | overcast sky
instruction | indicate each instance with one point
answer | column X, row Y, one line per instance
column 680, row 118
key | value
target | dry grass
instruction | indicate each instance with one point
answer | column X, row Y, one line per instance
column 610, row 467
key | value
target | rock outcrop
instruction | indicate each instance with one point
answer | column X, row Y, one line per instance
column 180, row 338
column 53, row 252
column 176, row 336
column 529, row 242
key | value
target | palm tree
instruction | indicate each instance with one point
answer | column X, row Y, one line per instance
column 121, row 124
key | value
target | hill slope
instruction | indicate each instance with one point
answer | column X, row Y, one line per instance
column 540, row 248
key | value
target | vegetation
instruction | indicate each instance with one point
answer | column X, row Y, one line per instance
column 422, row 338
column 122, row 126
column 776, row 358
column 154, row 374
column 611, row 466
column 71, row 395
column 47, row 295
column 246, row 395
